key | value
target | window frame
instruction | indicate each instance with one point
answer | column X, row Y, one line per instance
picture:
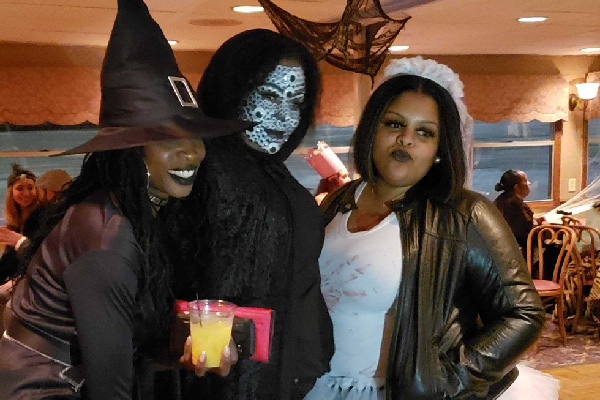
column 554, row 201
column 585, row 151
column 555, row 143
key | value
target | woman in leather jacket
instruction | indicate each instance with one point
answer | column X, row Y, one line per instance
column 424, row 274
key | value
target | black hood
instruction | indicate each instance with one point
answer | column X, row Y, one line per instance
column 241, row 64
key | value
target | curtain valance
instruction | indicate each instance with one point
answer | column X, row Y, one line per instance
column 518, row 98
column 336, row 102
column 59, row 95
column 71, row 95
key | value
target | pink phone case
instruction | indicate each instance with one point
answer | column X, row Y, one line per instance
column 263, row 325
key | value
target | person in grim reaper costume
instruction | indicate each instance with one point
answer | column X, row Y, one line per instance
column 255, row 233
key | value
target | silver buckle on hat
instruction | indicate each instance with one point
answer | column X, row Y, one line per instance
column 183, row 103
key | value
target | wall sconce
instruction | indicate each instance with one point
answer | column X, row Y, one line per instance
column 585, row 91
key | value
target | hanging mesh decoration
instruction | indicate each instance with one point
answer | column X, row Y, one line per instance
column 358, row 42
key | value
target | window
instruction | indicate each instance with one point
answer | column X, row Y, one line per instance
column 30, row 145
column 497, row 147
column 509, row 145
column 593, row 150
column 336, row 137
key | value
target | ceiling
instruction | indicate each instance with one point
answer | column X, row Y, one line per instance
column 436, row 27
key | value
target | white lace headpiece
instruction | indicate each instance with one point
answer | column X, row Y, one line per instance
column 440, row 74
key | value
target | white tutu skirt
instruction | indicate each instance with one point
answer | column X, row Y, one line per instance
column 344, row 388
column 531, row 384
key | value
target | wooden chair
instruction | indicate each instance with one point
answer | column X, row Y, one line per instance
column 587, row 249
column 593, row 304
column 562, row 238
column 570, row 221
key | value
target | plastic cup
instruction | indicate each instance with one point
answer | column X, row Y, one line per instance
column 210, row 328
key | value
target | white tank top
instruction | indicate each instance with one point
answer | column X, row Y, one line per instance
column 360, row 275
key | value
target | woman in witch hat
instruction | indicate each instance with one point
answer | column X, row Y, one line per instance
column 95, row 292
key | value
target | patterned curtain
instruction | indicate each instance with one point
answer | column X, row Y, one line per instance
column 71, row 95
column 518, row 98
column 59, row 95
column 336, row 102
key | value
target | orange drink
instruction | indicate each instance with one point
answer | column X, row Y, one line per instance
column 210, row 328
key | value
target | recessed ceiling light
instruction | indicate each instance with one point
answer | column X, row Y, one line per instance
column 532, row 19
column 173, row 42
column 248, row 9
column 590, row 49
column 215, row 22
column 398, row 48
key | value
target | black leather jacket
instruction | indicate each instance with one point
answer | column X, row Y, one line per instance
column 467, row 307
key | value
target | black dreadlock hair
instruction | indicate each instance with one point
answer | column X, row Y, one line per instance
column 123, row 173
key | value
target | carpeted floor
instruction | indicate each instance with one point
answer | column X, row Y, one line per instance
column 582, row 347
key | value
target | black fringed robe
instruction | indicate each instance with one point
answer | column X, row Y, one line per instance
column 260, row 243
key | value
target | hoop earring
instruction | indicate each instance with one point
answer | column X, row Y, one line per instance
column 147, row 175
column 436, row 160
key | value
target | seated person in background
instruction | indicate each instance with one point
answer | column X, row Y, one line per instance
column 514, row 186
column 21, row 200
column 47, row 187
column 21, row 197
column 51, row 183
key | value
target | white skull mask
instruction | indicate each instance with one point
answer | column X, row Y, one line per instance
column 275, row 108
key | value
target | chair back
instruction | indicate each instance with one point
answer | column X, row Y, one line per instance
column 570, row 221
column 561, row 239
column 588, row 248
column 558, row 243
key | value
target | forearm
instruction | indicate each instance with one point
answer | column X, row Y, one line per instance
column 505, row 298
column 497, row 346
column 5, row 292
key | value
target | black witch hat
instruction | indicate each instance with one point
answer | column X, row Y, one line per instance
column 143, row 89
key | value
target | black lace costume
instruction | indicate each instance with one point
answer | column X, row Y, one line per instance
column 263, row 234
column 255, row 234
